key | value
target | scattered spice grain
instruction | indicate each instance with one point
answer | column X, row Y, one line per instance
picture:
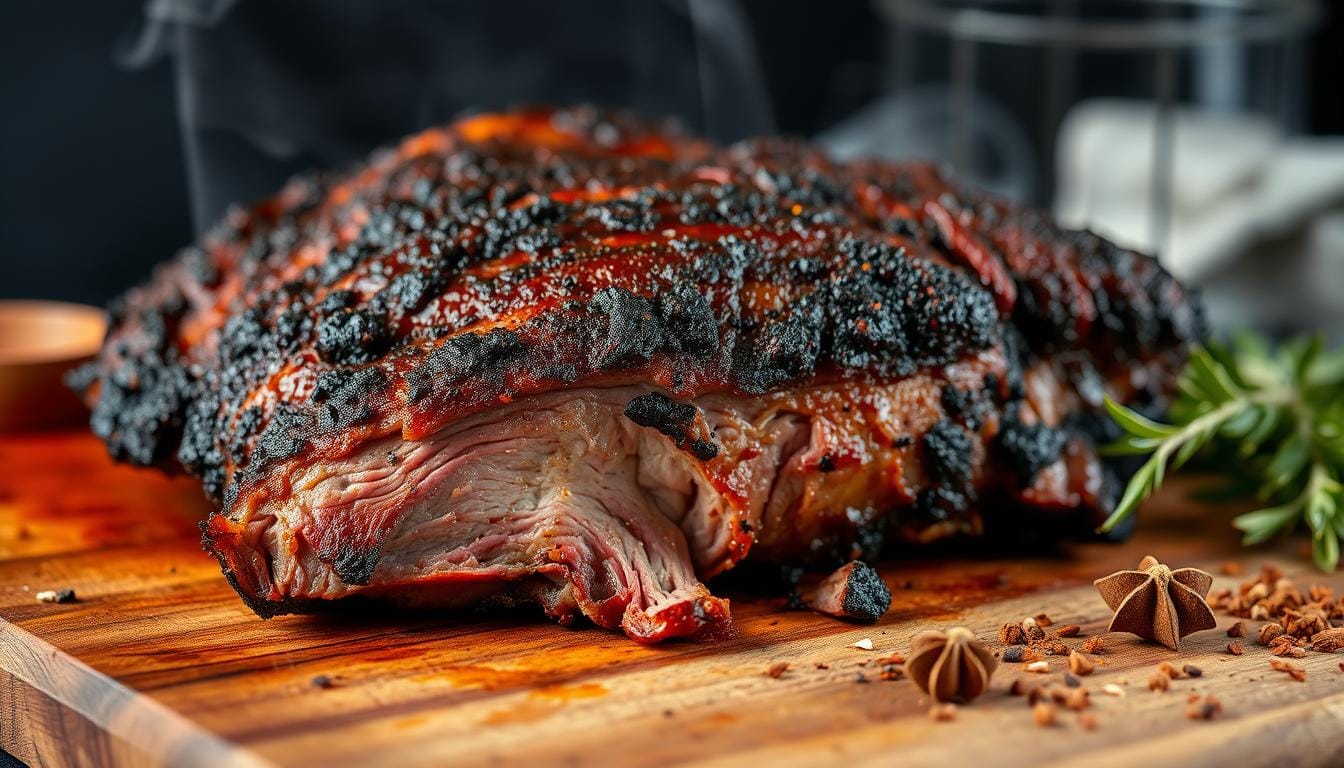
column 942, row 713
column 1204, row 709
column 1328, row 640
column 56, row 596
column 777, row 669
column 1044, row 714
column 1080, row 664
column 1235, row 649
column 1170, row 670
column 1294, row 671
column 1068, row 630
column 1012, row 634
column 1237, row 630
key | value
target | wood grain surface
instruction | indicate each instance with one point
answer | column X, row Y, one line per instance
column 159, row 663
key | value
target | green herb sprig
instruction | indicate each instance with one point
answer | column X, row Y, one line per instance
column 1275, row 415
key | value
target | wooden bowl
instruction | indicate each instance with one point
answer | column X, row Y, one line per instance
column 39, row 342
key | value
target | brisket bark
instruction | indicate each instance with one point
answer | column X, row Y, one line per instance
column 572, row 358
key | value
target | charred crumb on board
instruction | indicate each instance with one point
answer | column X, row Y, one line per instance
column 855, row 591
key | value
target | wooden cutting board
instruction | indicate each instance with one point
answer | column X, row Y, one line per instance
column 158, row 662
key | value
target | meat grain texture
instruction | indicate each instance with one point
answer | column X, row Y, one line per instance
column 570, row 358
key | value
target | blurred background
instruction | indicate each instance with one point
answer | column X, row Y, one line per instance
column 1208, row 131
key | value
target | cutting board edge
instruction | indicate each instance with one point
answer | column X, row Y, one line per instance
column 77, row 702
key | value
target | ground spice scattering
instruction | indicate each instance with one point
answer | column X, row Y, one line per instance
column 1235, row 649
column 866, row 644
column 777, row 669
column 1014, row 654
column 1237, row 630
column 322, row 681
column 1093, row 645
column 1044, row 714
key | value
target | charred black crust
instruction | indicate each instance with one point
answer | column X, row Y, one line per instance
column 867, row 294
column 947, row 450
column 867, row 597
column 674, row 419
column 1029, row 448
column 355, row 565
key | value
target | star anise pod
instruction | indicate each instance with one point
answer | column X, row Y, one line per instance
column 950, row 666
column 1157, row 603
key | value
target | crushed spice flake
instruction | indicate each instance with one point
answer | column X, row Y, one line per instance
column 1111, row 689
column 1070, row 681
column 1159, row 683
column 1191, row 670
column 1044, row 714
column 1235, row 649
column 1080, row 664
column 777, row 669
column 1087, row 721
column 1094, row 645
column 1068, row 630
column 891, row 672
column 1170, row 670
column 866, row 644
column 1039, row 666
column 1019, row 687
column 1237, row 630
column 322, row 681
column 1012, row 634
column 1042, row 620
column 1077, row 699
column 1013, row 654
column 1269, row 633
column 1294, row 671
column 942, row 713
column 893, row 658
column 1206, row 708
